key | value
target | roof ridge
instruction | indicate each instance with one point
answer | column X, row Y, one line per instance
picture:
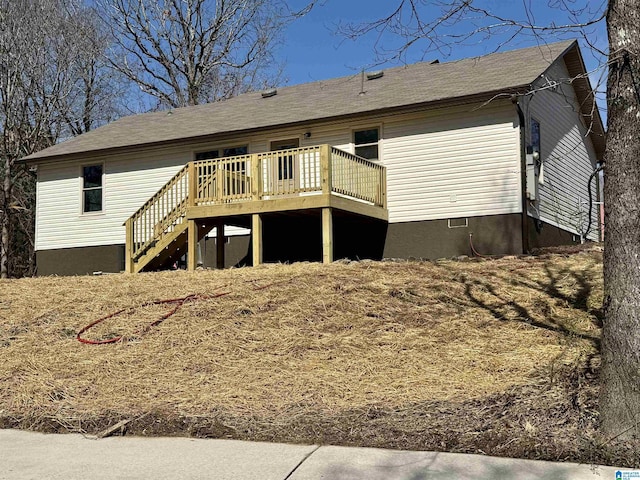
column 402, row 86
column 355, row 75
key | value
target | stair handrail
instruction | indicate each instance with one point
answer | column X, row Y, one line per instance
column 183, row 171
column 145, row 235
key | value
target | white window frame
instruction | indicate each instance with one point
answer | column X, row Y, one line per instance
column 286, row 137
column 368, row 126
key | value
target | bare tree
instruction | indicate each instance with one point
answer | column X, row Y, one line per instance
column 24, row 114
column 186, row 52
column 95, row 90
column 442, row 25
column 50, row 88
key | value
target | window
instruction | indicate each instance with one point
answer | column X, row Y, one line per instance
column 234, row 181
column 233, row 151
column 285, row 162
column 366, row 143
column 92, row 188
column 535, row 135
column 222, row 152
column 207, row 155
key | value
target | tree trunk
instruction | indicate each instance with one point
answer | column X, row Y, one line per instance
column 4, row 216
column 620, row 394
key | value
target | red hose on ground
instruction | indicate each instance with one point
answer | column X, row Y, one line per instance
column 178, row 303
column 473, row 248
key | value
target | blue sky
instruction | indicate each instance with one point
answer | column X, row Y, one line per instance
column 314, row 51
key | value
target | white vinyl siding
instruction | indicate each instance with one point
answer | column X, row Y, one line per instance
column 445, row 163
column 567, row 154
column 129, row 180
column 59, row 219
column 453, row 163
column 466, row 154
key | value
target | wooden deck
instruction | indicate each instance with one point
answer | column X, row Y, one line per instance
column 210, row 191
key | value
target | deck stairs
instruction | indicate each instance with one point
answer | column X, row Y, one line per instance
column 157, row 231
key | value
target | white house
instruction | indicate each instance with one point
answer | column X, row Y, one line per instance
column 423, row 161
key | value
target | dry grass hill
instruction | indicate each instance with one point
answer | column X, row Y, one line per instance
column 492, row 356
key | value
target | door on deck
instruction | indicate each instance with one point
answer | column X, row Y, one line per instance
column 284, row 166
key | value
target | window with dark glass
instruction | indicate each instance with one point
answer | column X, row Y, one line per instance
column 207, row 155
column 285, row 161
column 92, row 188
column 234, row 151
column 366, row 143
column 234, row 182
column 222, row 152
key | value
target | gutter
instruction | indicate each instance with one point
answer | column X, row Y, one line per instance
column 523, row 175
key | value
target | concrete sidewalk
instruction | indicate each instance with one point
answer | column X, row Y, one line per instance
column 27, row 455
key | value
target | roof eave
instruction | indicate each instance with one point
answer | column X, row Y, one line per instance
column 439, row 103
column 584, row 92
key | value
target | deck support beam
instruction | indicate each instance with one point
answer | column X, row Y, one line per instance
column 327, row 235
column 129, row 266
column 256, row 238
column 192, row 185
column 192, row 245
column 220, row 246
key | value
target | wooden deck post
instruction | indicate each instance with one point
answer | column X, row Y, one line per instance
column 220, row 245
column 325, row 162
column 221, row 176
column 327, row 236
column 256, row 177
column 128, row 248
column 192, row 245
column 192, row 194
column 383, row 188
column 256, row 238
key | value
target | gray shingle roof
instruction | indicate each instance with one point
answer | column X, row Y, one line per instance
column 420, row 83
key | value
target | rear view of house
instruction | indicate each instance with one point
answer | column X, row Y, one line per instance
column 423, row 161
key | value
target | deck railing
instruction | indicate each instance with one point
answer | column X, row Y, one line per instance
column 260, row 176
column 296, row 171
column 222, row 180
column 356, row 177
column 292, row 171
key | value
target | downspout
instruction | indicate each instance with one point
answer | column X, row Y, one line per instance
column 600, row 181
column 523, row 175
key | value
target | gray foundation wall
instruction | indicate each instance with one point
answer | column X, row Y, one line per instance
column 354, row 238
column 236, row 249
column 80, row 261
column 110, row 258
column 431, row 239
column 542, row 234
